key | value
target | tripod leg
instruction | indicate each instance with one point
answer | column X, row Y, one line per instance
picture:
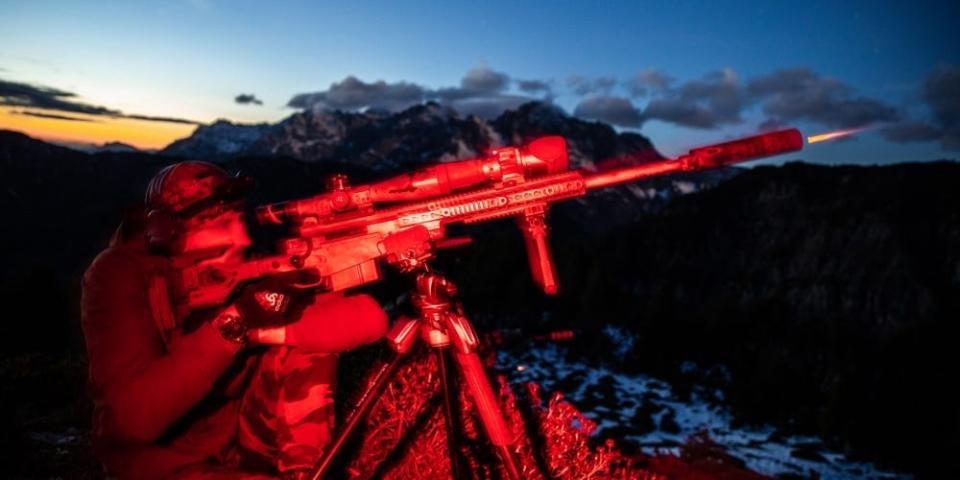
column 400, row 339
column 433, row 300
column 452, row 421
column 491, row 415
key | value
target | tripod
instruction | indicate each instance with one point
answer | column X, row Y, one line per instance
column 443, row 326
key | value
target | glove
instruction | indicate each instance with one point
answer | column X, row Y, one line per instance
column 333, row 323
column 274, row 301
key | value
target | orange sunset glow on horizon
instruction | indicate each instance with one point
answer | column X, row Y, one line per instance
column 96, row 130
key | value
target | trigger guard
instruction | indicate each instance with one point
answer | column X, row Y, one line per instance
column 309, row 285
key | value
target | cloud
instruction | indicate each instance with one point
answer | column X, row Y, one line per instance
column 479, row 82
column 715, row 100
column 771, row 124
column 614, row 110
column 801, row 94
column 941, row 94
column 247, row 99
column 911, row 131
column 484, row 80
column 535, row 86
column 25, row 95
column 482, row 91
column 720, row 98
column 151, row 118
column 15, row 94
column 53, row 116
column 583, row 86
column 489, row 107
column 648, row 81
column 352, row 93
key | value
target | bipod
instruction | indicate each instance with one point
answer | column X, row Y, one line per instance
column 446, row 330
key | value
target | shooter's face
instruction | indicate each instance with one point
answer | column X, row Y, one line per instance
column 224, row 230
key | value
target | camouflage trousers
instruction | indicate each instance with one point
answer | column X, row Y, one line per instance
column 286, row 415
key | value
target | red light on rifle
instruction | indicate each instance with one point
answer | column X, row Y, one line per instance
column 750, row 148
column 712, row 156
column 502, row 166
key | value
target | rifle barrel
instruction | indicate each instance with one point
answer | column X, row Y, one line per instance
column 630, row 174
column 713, row 156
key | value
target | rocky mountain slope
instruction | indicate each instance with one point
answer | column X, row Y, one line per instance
column 219, row 139
column 384, row 142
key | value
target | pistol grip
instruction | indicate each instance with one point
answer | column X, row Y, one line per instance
column 536, row 232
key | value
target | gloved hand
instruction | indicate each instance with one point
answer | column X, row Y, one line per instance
column 333, row 323
column 274, row 300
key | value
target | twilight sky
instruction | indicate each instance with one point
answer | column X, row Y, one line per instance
column 682, row 73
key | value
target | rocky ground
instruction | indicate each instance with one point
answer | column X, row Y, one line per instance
column 46, row 429
column 48, row 437
column 649, row 414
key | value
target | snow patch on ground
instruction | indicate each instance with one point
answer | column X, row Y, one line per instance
column 645, row 410
column 684, row 187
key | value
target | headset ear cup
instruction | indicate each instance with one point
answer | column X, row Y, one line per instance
column 161, row 230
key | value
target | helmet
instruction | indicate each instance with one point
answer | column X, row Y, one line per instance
column 182, row 190
column 185, row 188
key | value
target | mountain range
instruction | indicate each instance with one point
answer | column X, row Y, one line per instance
column 384, row 142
